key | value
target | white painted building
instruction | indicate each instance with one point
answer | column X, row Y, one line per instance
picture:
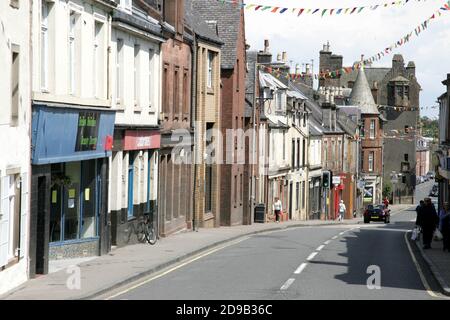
column 15, row 118
column 298, row 140
column 136, row 96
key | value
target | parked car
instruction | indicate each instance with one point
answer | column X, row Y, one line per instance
column 377, row 212
column 430, row 175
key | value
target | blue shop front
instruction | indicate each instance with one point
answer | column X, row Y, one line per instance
column 70, row 157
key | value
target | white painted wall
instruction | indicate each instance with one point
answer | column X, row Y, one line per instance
column 14, row 140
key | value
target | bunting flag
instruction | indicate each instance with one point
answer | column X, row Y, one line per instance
column 376, row 57
column 312, row 11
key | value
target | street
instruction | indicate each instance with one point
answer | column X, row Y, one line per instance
column 302, row 263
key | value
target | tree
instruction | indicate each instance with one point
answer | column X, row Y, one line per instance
column 387, row 190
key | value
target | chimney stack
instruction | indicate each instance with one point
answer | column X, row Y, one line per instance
column 266, row 45
column 279, row 57
column 297, row 68
column 308, row 70
column 284, row 57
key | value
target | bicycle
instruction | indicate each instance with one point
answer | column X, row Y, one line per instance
column 146, row 229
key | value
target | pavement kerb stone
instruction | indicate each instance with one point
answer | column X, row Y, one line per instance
column 434, row 270
column 174, row 261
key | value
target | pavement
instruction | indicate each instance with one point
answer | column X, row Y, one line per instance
column 126, row 264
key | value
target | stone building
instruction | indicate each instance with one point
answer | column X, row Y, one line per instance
column 371, row 135
column 15, row 118
column 229, row 22
column 207, row 104
column 396, row 91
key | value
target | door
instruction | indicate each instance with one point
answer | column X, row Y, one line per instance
column 130, row 184
column 4, row 221
column 41, row 243
column 290, row 200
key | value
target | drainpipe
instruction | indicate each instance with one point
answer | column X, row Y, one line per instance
column 193, row 120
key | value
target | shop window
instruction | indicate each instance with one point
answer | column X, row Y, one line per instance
column 73, row 201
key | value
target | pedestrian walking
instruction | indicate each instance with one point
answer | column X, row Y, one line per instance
column 428, row 221
column 277, row 208
column 386, row 202
column 342, row 210
column 418, row 215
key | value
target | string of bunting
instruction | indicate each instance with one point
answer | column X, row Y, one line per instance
column 255, row 7
column 381, row 54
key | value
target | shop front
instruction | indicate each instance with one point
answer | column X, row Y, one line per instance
column 70, row 151
column 134, row 181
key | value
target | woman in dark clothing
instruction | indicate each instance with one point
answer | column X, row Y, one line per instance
column 428, row 220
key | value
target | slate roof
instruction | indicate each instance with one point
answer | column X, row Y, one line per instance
column 228, row 18
column 372, row 75
column 362, row 95
column 399, row 79
column 266, row 80
column 250, row 79
column 200, row 27
column 138, row 21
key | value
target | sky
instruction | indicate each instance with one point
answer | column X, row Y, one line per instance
column 368, row 33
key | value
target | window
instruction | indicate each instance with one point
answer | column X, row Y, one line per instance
column 406, row 92
column 98, row 60
column 15, row 89
column 298, row 153
column 186, row 93
column 210, row 69
column 303, row 152
column 73, row 45
column 325, row 151
column 303, row 195
column 137, row 49
column 297, row 195
column 284, row 145
column 125, row 5
column 165, row 92
column 372, row 129
column 44, row 44
column 406, row 156
column 399, row 90
column 363, row 129
column 362, row 161
column 208, row 173
column 293, row 154
column 241, row 188
column 74, row 205
column 235, row 191
column 119, row 69
column 151, row 88
column 279, row 100
column 371, row 160
column 176, row 93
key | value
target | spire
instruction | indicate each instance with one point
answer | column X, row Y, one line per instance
column 362, row 95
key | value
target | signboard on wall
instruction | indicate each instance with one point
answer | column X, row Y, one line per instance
column 368, row 194
column 87, row 130
column 141, row 139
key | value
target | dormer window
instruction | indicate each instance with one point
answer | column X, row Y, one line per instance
column 279, row 100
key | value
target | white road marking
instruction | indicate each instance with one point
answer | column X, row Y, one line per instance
column 301, row 268
column 327, row 242
column 286, row 285
column 311, row 256
column 335, row 237
column 419, row 270
column 141, row 283
column 341, row 233
column 320, row 247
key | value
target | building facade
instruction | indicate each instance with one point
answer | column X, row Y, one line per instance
column 175, row 165
column 15, row 115
column 136, row 98
column 72, row 131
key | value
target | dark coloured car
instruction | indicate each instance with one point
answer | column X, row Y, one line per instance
column 377, row 212
column 434, row 191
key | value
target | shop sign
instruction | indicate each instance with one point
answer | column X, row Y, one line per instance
column 141, row 139
column 87, row 130
column 336, row 180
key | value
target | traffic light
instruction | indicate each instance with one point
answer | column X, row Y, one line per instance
column 327, row 177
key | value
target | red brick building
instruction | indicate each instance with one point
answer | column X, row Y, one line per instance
column 175, row 169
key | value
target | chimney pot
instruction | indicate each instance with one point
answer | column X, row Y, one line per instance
column 266, row 45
